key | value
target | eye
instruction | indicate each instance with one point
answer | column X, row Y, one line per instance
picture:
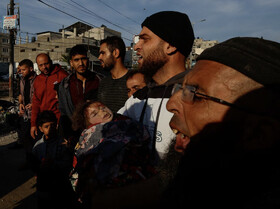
column 93, row 114
column 197, row 97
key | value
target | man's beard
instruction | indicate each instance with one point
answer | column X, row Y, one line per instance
column 109, row 64
column 155, row 60
column 169, row 165
column 84, row 74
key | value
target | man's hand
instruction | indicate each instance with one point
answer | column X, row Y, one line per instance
column 29, row 106
column 33, row 131
column 21, row 109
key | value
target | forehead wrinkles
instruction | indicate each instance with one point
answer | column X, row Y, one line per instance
column 216, row 74
column 237, row 83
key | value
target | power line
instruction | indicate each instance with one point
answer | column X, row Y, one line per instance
column 101, row 17
column 66, row 13
column 119, row 12
column 74, row 17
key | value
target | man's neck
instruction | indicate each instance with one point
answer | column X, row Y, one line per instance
column 167, row 72
column 118, row 71
column 81, row 77
column 31, row 75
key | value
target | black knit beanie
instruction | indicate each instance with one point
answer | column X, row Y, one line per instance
column 174, row 28
column 256, row 58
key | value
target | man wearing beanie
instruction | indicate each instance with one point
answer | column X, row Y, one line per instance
column 227, row 119
column 164, row 44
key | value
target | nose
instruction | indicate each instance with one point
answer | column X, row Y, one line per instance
column 99, row 57
column 130, row 93
column 171, row 105
column 137, row 46
column 80, row 62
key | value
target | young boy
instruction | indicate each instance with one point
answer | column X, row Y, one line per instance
column 25, row 69
column 52, row 162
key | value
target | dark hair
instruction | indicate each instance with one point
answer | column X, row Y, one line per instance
column 79, row 120
column 26, row 62
column 78, row 49
column 131, row 73
column 115, row 42
column 48, row 56
column 44, row 117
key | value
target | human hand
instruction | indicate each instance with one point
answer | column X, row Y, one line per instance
column 33, row 131
column 21, row 109
column 29, row 106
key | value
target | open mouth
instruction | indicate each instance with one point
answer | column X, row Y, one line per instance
column 179, row 134
column 139, row 57
column 107, row 116
column 182, row 140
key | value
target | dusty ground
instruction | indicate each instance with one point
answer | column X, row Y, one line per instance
column 16, row 186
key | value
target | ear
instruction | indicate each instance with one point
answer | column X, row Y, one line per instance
column 71, row 63
column 171, row 49
column 116, row 53
column 41, row 129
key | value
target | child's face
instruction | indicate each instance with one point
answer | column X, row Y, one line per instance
column 49, row 129
column 25, row 70
column 98, row 113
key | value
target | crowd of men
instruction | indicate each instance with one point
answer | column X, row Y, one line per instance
column 222, row 115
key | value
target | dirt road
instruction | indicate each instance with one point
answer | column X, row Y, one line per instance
column 17, row 187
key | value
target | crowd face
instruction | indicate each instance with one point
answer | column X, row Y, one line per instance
column 192, row 115
column 150, row 50
column 98, row 113
column 135, row 83
column 44, row 64
column 49, row 130
column 106, row 58
column 25, row 70
column 80, row 63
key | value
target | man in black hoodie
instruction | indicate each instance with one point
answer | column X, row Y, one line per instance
column 163, row 45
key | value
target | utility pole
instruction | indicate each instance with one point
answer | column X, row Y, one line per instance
column 12, row 24
column 11, row 65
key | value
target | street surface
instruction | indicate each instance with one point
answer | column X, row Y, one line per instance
column 17, row 186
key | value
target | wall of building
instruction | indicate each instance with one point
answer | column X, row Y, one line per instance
column 54, row 47
column 4, row 46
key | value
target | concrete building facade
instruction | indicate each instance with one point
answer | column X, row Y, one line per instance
column 58, row 44
column 199, row 46
column 4, row 46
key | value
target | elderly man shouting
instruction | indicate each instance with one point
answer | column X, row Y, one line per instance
column 227, row 124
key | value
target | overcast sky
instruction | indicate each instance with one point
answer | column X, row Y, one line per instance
column 223, row 18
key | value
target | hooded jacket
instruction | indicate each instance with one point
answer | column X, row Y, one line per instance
column 155, row 115
column 45, row 96
column 31, row 78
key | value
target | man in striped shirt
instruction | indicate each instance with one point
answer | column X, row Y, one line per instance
column 112, row 89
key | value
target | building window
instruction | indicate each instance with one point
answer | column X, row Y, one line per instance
column 5, row 50
column 5, row 40
column 39, row 44
column 22, row 50
column 34, row 49
column 56, row 47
